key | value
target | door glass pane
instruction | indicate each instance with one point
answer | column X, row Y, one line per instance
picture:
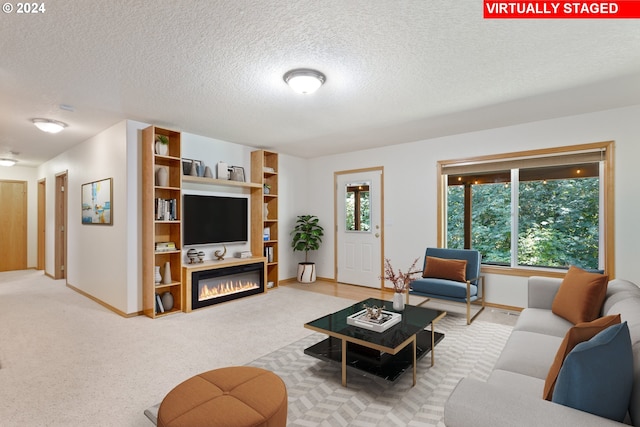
column 357, row 207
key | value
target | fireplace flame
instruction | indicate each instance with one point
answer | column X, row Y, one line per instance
column 225, row 288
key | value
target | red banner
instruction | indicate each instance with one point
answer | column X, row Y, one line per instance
column 624, row 9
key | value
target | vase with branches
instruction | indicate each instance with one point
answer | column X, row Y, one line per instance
column 400, row 281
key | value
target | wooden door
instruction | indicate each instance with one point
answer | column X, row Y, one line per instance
column 359, row 244
column 61, row 227
column 41, row 222
column 13, row 227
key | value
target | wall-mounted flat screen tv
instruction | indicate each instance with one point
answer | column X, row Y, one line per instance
column 214, row 219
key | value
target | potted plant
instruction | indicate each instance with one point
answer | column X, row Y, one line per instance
column 162, row 145
column 307, row 236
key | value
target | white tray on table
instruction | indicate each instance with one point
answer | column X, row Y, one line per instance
column 387, row 320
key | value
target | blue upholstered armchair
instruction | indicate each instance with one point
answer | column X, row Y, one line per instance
column 452, row 275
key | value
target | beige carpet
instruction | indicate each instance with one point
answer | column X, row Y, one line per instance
column 67, row 361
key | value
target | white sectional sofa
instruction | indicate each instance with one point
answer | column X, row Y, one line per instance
column 512, row 396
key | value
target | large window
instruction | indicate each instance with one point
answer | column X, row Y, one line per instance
column 544, row 209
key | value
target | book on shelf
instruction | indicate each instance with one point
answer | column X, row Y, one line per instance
column 165, row 246
column 166, row 209
column 268, row 253
column 159, row 305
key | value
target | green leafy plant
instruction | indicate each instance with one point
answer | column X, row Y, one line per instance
column 162, row 139
column 307, row 235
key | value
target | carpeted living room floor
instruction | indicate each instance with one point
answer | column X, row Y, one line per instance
column 67, row 361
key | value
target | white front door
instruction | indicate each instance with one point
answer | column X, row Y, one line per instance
column 359, row 233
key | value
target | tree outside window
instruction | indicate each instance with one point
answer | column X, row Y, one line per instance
column 553, row 218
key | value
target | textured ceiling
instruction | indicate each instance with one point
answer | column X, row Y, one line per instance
column 397, row 71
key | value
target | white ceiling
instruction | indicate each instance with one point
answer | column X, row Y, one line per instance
column 397, row 71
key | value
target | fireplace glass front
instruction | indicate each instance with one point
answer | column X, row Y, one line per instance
column 210, row 287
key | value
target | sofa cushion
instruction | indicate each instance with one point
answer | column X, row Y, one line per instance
column 597, row 375
column 529, row 353
column 579, row 333
column 580, row 296
column 449, row 269
column 542, row 321
column 516, row 383
column 442, row 288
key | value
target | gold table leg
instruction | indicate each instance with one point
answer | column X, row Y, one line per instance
column 433, row 344
column 415, row 359
column 344, row 363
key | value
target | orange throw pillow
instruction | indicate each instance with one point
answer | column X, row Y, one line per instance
column 579, row 333
column 580, row 296
column 450, row 269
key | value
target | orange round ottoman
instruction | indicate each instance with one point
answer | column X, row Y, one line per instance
column 240, row 396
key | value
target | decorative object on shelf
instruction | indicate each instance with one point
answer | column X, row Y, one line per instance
column 167, row 300
column 96, row 202
column 162, row 177
column 192, row 254
column 162, row 145
column 400, row 281
column 236, row 173
column 207, row 172
column 157, row 277
column 200, row 257
column 268, row 169
column 267, row 189
column 220, row 254
column 166, row 278
column 265, row 211
column 223, row 170
column 307, row 236
column 187, row 166
column 194, row 168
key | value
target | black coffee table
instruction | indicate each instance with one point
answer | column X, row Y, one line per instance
column 385, row 354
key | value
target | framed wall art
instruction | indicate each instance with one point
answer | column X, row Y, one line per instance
column 96, row 202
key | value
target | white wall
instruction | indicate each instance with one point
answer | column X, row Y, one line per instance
column 97, row 254
column 20, row 173
column 211, row 151
column 411, row 186
column 102, row 260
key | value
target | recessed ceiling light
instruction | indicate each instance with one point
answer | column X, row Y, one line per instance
column 8, row 162
column 304, row 80
column 48, row 125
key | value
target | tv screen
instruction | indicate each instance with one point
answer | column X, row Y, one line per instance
column 214, row 219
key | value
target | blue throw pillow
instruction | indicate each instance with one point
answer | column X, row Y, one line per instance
column 597, row 375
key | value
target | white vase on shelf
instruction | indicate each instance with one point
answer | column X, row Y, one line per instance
column 166, row 279
column 266, row 210
column 157, row 276
column 162, row 149
column 162, row 177
column 167, row 300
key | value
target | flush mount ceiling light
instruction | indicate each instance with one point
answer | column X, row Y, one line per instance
column 304, row 80
column 7, row 162
column 48, row 125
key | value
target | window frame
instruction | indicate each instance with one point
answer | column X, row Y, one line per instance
column 608, row 208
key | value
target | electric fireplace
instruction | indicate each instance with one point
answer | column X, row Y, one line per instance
column 209, row 287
